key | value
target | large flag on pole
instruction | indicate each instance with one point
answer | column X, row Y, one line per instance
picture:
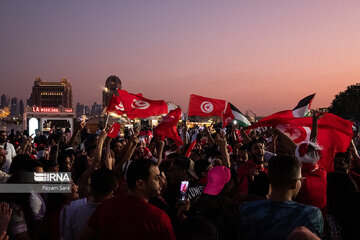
column 302, row 109
column 206, row 107
column 167, row 127
column 138, row 106
column 232, row 113
column 334, row 133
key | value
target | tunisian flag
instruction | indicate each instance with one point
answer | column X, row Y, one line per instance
column 138, row 106
column 115, row 106
column 206, row 107
column 114, row 130
column 167, row 127
column 191, row 147
column 334, row 133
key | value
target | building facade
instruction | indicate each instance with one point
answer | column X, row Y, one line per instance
column 51, row 94
column 46, row 118
column 5, row 101
column 14, row 109
column 96, row 109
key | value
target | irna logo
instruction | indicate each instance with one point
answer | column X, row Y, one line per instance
column 52, row 177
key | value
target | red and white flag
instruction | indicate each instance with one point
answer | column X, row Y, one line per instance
column 115, row 106
column 167, row 127
column 146, row 135
column 191, row 147
column 138, row 106
column 206, row 107
column 298, row 134
column 334, row 133
column 114, row 130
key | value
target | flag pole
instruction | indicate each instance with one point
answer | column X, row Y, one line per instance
column 107, row 120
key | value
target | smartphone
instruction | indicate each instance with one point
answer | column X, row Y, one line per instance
column 183, row 191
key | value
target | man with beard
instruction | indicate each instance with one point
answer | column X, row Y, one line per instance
column 130, row 216
column 253, row 174
column 9, row 148
column 257, row 169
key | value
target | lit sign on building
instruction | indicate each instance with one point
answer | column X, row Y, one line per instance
column 45, row 109
column 51, row 110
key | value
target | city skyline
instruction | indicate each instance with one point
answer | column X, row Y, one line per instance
column 261, row 56
column 17, row 106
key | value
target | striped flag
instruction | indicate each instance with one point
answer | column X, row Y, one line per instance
column 232, row 113
column 302, row 109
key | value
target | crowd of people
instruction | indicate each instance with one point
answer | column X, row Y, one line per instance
column 238, row 184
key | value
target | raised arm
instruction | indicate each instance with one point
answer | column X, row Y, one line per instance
column 314, row 132
column 244, row 136
column 25, row 145
column 99, row 147
column 184, row 133
column 96, row 163
column 160, row 152
column 354, row 154
column 130, row 148
column 314, row 128
column 78, row 127
column 211, row 141
column 221, row 141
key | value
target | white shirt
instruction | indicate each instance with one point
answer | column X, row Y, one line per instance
column 78, row 219
column 66, row 212
column 10, row 154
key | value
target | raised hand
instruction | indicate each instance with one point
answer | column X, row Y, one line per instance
column 3, row 236
column 220, row 140
column 136, row 131
column 5, row 214
column 109, row 160
column 103, row 134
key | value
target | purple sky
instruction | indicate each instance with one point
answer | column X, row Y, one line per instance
column 260, row 55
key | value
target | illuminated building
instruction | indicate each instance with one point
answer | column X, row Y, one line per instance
column 50, row 106
column 51, row 94
column 45, row 118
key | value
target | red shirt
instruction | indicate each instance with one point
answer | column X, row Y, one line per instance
column 313, row 189
column 128, row 217
column 244, row 175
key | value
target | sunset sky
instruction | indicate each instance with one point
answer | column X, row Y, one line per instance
column 262, row 56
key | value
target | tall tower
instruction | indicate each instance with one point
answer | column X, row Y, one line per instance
column 14, row 110
column 111, row 85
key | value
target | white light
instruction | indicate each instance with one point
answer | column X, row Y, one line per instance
column 235, row 122
column 33, row 125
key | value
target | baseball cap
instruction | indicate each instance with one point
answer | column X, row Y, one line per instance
column 217, row 178
column 187, row 164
